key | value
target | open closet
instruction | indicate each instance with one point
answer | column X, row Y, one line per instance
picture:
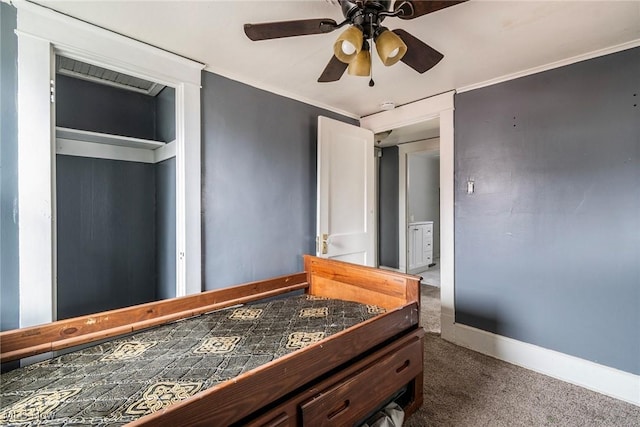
column 115, row 189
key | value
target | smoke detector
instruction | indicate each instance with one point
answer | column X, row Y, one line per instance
column 388, row 105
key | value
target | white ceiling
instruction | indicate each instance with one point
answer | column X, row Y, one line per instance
column 481, row 40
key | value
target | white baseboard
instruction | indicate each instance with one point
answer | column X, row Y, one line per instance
column 593, row 376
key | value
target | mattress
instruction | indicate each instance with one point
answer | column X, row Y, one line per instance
column 119, row 381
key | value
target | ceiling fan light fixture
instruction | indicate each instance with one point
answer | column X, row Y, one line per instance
column 361, row 65
column 390, row 47
column 348, row 45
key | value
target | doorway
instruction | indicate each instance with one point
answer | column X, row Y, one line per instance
column 408, row 191
column 423, row 212
column 438, row 108
column 409, row 209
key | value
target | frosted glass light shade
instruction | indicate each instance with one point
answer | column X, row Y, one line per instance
column 361, row 65
column 348, row 44
column 390, row 47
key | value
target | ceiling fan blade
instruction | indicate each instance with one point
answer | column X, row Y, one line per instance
column 415, row 8
column 420, row 56
column 276, row 30
column 333, row 71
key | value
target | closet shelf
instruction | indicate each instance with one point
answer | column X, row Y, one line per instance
column 105, row 138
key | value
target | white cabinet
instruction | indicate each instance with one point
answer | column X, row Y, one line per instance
column 420, row 245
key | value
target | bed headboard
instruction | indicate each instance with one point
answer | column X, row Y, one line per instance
column 366, row 285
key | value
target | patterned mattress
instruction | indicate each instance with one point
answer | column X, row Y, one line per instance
column 114, row 383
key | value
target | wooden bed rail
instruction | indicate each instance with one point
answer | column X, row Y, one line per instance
column 366, row 285
column 19, row 343
column 322, row 277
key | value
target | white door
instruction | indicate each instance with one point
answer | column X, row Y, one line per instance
column 346, row 196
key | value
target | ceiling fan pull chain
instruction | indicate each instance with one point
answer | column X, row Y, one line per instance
column 371, row 82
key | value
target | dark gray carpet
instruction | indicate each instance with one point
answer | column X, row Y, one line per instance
column 465, row 388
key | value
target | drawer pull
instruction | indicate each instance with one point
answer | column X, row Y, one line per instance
column 404, row 366
column 339, row 410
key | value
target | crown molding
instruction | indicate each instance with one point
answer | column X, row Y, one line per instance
column 552, row 65
column 277, row 91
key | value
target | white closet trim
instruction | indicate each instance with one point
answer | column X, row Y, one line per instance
column 41, row 34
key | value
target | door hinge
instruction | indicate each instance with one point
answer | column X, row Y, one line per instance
column 322, row 246
column 52, row 91
column 325, row 244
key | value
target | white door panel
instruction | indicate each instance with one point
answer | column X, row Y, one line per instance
column 346, row 217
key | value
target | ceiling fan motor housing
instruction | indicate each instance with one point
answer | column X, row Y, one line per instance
column 350, row 6
column 365, row 14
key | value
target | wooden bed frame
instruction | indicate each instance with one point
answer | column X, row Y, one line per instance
column 339, row 380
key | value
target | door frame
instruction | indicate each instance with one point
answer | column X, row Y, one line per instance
column 41, row 34
column 437, row 107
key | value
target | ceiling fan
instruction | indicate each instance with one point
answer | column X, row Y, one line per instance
column 352, row 49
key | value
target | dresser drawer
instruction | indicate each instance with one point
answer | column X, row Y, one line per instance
column 428, row 258
column 356, row 396
column 281, row 420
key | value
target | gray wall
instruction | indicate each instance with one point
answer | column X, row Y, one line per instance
column 165, row 104
column 91, row 106
column 548, row 247
column 423, row 196
column 166, row 228
column 105, row 234
column 388, row 200
column 258, row 182
column 9, row 288
column 100, row 108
